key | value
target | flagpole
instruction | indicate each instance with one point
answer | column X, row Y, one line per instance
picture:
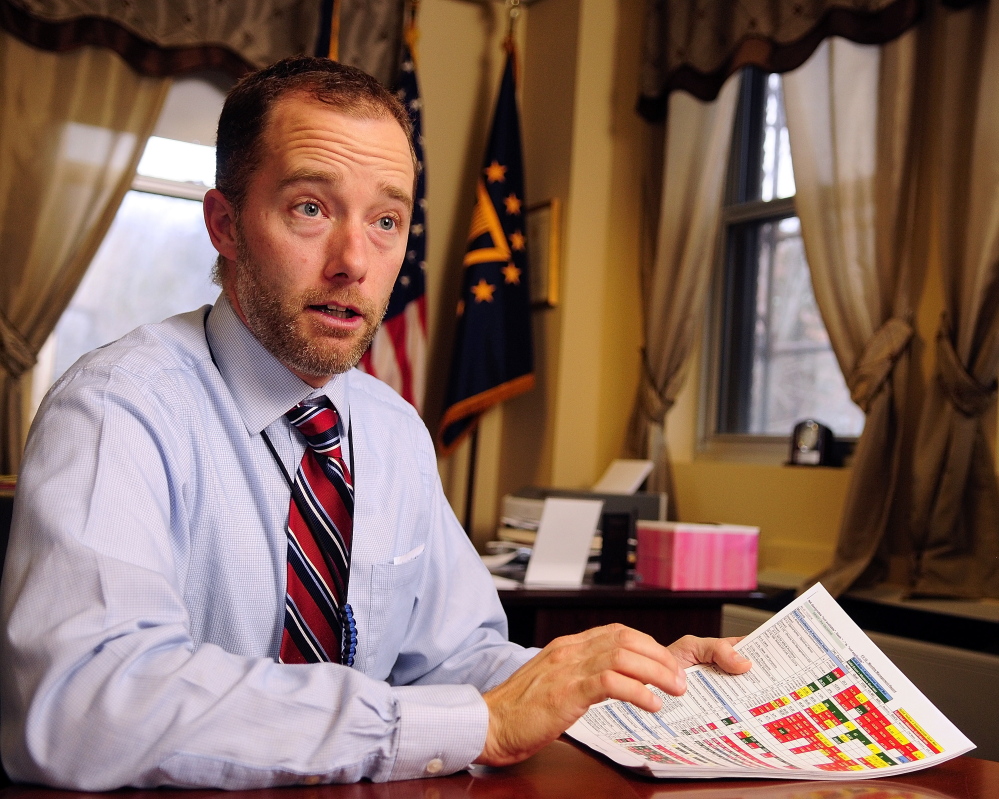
column 473, row 451
column 514, row 12
column 492, row 359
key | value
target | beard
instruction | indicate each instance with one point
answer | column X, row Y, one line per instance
column 281, row 322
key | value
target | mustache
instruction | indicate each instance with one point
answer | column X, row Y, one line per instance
column 349, row 297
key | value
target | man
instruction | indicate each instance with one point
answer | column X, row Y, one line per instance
column 153, row 633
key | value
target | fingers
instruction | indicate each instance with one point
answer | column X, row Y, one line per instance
column 691, row 650
column 625, row 689
column 623, row 673
column 554, row 689
column 620, row 650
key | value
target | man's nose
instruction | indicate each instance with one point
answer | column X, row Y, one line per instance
column 347, row 253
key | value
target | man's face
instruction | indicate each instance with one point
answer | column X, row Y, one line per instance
column 322, row 235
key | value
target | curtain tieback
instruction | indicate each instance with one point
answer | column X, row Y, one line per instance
column 965, row 393
column 877, row 361
column 16, row 356
column 654, row 405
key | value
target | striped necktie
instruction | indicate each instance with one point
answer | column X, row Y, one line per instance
column 318, row 622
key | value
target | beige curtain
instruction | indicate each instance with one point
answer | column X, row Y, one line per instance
column 72, row 129
column 849, row 117
column 698, row 135
column 956, row 502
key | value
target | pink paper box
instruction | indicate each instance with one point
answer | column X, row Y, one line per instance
column 696, row 557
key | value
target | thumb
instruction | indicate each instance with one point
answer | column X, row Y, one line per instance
column 691, row 650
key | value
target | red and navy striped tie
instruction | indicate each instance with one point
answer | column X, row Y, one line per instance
column 318, row 623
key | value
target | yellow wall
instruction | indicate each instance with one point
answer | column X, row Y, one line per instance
column 585, row 145
column 460, row 63
column 579, row 70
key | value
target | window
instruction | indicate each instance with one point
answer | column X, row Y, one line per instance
column 772, row 364
column 156, row 258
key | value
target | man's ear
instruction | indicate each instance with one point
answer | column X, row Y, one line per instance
column 220, row 219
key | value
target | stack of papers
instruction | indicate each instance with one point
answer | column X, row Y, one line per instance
column 820, row 702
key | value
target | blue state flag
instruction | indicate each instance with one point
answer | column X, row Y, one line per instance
column 493, row 357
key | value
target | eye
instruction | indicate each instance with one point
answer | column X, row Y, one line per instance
column 309, row 209
column 386, row 223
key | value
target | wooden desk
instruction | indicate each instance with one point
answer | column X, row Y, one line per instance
column 537, row 615
column 564, row 771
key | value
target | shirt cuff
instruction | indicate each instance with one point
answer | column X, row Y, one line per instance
column 442, row 729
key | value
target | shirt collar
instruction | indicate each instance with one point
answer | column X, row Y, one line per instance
column 263, row 387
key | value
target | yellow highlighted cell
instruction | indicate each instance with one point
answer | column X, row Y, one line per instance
column 912, row 722
column 896, row 733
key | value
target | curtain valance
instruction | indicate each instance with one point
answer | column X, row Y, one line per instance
column 160, row 38
column 694, row 45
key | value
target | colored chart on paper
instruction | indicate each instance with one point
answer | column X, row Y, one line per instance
column 821, row 701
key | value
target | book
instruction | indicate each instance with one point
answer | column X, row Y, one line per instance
column 820, row 702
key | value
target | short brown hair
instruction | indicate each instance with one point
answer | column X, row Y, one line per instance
column 244, row 115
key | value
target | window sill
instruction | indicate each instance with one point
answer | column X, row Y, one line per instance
column 769, row 450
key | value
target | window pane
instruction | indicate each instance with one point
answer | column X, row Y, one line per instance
column 794, row 374
column 776, row 177
column 155, row 261
column 184, row 162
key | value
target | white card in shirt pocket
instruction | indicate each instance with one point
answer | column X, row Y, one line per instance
column 413, row 554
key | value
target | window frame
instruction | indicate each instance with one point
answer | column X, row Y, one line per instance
column 745, row 158
column 169, row 188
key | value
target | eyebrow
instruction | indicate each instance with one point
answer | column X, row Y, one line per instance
column 396, row 193
column 309, row 176
column 324, row 176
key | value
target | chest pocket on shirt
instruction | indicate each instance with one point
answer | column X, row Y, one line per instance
column 393, row 596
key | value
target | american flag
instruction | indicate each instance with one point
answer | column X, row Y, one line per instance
column 398, row 355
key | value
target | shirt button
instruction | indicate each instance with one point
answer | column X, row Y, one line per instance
column 435, row 766
column 312, row 779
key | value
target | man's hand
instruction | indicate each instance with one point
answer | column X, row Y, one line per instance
column 548, row 694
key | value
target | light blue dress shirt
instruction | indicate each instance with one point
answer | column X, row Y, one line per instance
column 143, row 594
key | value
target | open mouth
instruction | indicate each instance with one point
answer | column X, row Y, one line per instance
column 337, row 311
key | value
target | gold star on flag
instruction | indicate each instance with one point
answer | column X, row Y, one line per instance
column 483, row 291
column 495, row 172
column 512, row 204
column 511, row 274
column 517, row 240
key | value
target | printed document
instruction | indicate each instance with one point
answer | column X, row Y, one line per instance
column 820, row 702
